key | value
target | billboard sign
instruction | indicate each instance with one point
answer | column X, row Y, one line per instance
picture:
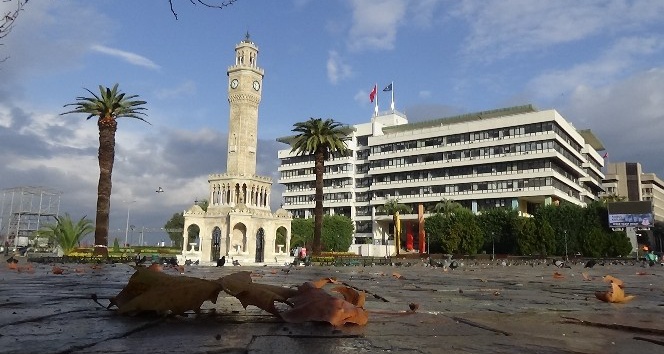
column 631, row 214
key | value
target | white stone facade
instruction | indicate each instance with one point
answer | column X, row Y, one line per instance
column 238, row 223
column 516, row 157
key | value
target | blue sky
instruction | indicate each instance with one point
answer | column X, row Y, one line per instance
column 599, row 63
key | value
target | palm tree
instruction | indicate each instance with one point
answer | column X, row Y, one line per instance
column 447, row 207
column 320, row 138
column 65, row 233
column 393, row 207
column 108, row 106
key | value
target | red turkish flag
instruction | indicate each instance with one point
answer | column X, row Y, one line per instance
column 372, row 94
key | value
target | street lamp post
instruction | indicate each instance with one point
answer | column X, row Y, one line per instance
column 493, row 247
column 566, row 258
column 127, row 227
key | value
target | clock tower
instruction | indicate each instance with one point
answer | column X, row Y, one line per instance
column 245, row 81
column 238, row 223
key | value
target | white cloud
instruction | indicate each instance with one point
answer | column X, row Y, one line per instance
column 505, row 27
column 424, row 94
column 375, row 23
column 614, row 63
column 187, row 88
column 337, row 70
column 131, row 58
column 627, row 116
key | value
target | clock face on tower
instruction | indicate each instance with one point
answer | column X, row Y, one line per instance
column 234, row 83
column 257, row 85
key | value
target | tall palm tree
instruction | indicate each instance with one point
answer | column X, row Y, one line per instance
column 107, row 107
column 447, row 207
column 394, row 208
column 320, row 138
column 65, row 233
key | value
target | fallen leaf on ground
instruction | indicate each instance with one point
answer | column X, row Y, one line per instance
column 155, row 267
column 641, row 273
column 353, row 296
column 612, row 279
column 586, row 277
column 616, row 295
column 397, row 275
column 321, row 282
column 557, row 275
column 413, row 306
column 28, row 268
column 12, row 266
column 315, row 304
column 57, row 270
column 262, row 296
column 150, row 291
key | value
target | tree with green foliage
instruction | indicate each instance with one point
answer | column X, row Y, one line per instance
column 337, row 233
column 471, row 236
column 176, row 222
column 618, row 244
column 65, row 233
column 394, row 208
column 319, row 138
column 116, row 245
column 444, row 236
column 446, row 207
column 526, row 236
column 110, row 105
column 499, row 225
column 302, row 232
column 546, row 240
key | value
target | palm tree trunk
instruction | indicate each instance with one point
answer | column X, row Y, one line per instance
column 397, row 233
column 107, row 128
column 319, row 169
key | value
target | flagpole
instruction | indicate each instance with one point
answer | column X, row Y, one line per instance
column 376, row 101
column 392, row 104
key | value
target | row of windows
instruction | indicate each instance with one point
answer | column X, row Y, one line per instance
column 310, row 158
column 494, row 151
column 310, row 185
column 474, row 187
column 310, row 171
column 303, row 199
column 476, row 170
column 463, row 138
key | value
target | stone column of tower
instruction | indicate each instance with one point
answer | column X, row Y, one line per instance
column 245, row 80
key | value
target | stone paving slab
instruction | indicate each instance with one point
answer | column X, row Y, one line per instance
column 478, row 308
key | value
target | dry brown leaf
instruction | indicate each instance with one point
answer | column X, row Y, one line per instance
column 413, row 306
column 616, row 295
column 397, row 275
column 586, row 277
column 262, row 296
column 557, row 275
column 321, row 282
column 641, row 273
column 150, row 291
column 28, row 268
column 315, row 304
column 156, row 267
column 351, row 295
column 12, row 265
column 57, row 270
column 612, row 279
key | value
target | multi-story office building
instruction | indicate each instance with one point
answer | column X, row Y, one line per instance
column 627, row 180
column 517, row 157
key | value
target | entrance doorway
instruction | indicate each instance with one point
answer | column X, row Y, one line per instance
column 216, row 243
column 260, row 245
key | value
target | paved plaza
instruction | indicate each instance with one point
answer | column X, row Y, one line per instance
column 476, row 308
